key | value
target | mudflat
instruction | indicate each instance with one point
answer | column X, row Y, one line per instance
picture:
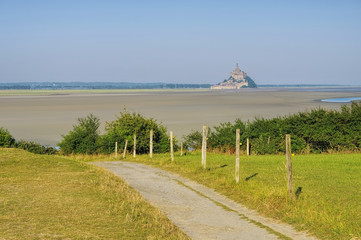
column 45, row 118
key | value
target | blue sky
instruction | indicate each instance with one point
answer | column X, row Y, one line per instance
column 275, row 42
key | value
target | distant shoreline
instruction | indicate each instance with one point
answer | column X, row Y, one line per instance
column 59, row 92
column 137, row 86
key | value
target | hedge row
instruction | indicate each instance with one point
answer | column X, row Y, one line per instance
column 7, row 141
column 314, row 131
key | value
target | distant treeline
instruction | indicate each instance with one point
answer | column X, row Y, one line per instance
column 95, row 85
column 316, row 131
column 120, row 85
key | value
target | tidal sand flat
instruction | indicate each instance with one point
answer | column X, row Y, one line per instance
column 45, row 118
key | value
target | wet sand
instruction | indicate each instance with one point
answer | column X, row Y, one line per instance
column 45, row 118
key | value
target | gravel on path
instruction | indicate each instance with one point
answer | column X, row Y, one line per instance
column 199, row 211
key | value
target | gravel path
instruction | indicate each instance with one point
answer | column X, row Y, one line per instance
column 199, row 211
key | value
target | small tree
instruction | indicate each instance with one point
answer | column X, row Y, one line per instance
column 6, row 140
column 128, row 124
column 83, row 138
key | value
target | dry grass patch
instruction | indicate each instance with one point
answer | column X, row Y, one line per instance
column 47, row 197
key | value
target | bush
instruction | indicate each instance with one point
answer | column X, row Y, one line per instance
column 6, row 140
column 263, row 145
column 223, row 137
column 193, row 141
column 84, row 138
column 128, row 124
column 316, row 131
column 35, row 148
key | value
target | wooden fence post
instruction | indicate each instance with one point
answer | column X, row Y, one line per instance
column 171, row 146
column 135, row 145
column 204, row 147
column 116, row 150
column 248, row 147
column 151, row 144
column 181, row 148
column 289, row 164
column 125, row 148
column 237, row 154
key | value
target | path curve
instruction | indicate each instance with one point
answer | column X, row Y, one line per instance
column 199, row 211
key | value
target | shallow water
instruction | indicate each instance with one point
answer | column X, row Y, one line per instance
column 341, row 100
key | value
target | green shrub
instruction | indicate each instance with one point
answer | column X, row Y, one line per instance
column 6, row 140
column 318, row 130
column 35, row 147
column 128, row 124
column 262, row 146
column 193, row 141
column 84, row 138
column 223, row 137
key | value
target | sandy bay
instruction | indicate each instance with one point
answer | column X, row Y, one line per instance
column 44, row 118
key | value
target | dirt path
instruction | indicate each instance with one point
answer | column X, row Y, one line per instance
column 198, row 211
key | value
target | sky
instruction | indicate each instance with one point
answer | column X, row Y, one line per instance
column 188, row 41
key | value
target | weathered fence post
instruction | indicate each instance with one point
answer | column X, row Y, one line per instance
column 237, row 154
column 181, row 148
column 289, row 164
column 204, row 147
column 151, row 144
column 248, row 147
column 116, row 150
column 171, row 146
column 125, row 148
column 135, row 145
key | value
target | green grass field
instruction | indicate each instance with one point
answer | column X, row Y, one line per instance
column 50, row 197
column 328, row 207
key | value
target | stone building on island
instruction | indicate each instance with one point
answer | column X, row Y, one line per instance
column 237, row 80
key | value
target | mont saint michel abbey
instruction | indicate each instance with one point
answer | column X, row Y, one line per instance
column 237, row 80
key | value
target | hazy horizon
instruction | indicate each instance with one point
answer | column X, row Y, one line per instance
column 274, row 42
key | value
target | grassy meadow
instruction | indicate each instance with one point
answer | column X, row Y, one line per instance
column 50, row 197
column 53, row 197
column 328, row 206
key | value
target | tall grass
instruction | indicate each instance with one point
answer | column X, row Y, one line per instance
column 49, row 197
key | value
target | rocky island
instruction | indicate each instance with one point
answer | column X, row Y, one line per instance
column 237, row 80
